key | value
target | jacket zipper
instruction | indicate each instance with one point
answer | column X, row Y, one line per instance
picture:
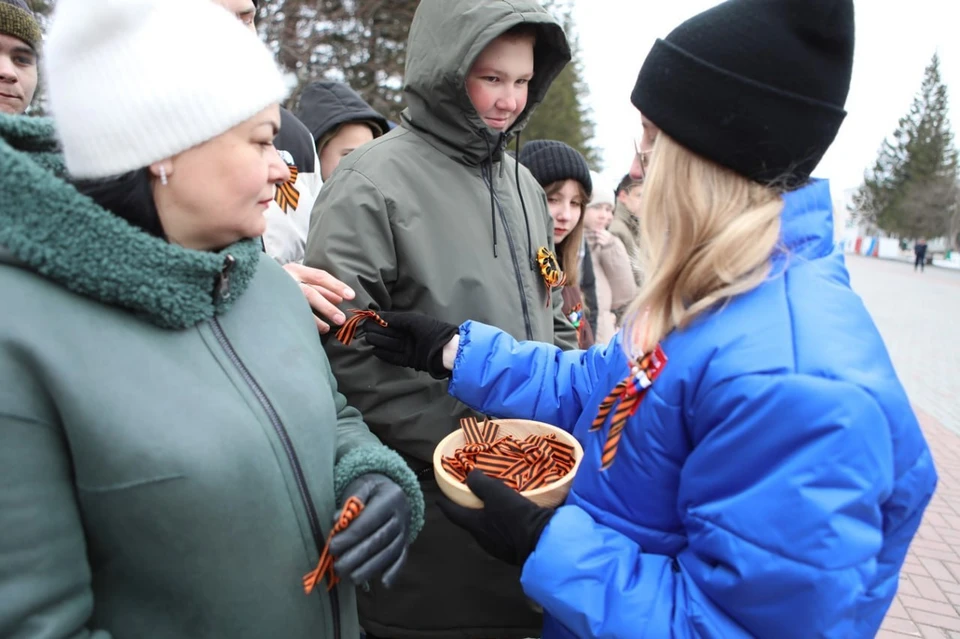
column 223, row 292
column 513, row 254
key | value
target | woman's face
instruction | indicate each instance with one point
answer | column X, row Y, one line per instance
column 350, row 137
column 598, row 216
column 217, row 192
column 565, row 206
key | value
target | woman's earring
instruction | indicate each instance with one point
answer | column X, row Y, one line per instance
column 163, row 175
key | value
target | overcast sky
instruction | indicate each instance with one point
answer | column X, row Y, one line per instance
column 895, row 41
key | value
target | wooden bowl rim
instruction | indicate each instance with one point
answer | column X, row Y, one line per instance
column 569, row 438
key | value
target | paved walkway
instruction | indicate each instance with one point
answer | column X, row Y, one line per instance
column 913, row 312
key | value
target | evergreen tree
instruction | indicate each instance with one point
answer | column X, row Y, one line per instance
column 360, row 42
column 911, row 191
column 563, row 115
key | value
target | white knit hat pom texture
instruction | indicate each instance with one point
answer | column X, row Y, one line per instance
column 602, row 190
column 133, row 82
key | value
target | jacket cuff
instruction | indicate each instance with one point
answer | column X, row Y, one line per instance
column 458, row 360
column 377, row 458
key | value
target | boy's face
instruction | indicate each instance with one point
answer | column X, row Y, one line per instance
column 18, row 74
column 350, row 137
column 499, row 80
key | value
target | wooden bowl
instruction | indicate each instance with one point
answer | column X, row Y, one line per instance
column 549, row 496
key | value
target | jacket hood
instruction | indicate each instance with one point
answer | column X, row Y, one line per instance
column 47, row 226
column 446, row 37
column 326, row 105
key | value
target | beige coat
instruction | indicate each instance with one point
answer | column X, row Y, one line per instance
column 615, row 285
column 626, row 227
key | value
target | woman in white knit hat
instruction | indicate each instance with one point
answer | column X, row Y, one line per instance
column 615, row 285
column 173, row 449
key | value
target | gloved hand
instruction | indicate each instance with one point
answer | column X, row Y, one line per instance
column 375, row 543
column 412, row 340
column 508, row 526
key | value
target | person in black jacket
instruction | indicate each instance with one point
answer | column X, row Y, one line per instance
column 920, row 251
column 339, row 121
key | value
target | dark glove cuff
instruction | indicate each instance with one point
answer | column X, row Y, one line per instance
column 543, row 518
column 435, row 358
column 376, row 458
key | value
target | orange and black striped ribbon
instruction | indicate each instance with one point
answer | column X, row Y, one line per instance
column 349, row 329
column 535, row 474
column 454, row 468
column 608, row 403
column 553, row 276
column 287, row 194
column 477, row 433
column 533, row 462
column 325, row 566
column 624, row 400
column 497, row 465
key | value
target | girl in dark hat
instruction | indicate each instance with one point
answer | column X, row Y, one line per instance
column 565, row 177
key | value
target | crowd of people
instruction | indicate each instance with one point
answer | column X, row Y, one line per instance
column 188, row 450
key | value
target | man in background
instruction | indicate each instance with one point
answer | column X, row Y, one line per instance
column 20, row 38
column 626, row 219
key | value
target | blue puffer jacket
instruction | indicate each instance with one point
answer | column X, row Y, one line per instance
column 769, row 484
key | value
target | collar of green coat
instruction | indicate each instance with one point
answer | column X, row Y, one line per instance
column 48, row 227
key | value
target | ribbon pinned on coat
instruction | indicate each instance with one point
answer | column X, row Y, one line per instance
column 626, row 397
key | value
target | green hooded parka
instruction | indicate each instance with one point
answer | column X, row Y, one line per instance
column 437, row 218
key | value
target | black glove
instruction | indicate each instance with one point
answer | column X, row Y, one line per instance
column 412, row 340
column 508, row 526
column 375, row 543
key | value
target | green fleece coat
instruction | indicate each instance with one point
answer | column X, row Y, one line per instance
column 172, row 444
column 433, row 218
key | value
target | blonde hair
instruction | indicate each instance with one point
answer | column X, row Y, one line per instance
column 706, row 235
column 568, row 250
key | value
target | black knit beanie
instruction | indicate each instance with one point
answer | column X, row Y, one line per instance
column 17, row 20
column 757, row 86
column 551, row 161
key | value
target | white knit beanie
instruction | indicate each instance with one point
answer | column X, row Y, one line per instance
column 133, row 82
column 602, row 191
